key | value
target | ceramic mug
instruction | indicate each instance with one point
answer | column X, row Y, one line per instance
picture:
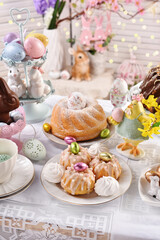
column 10, row 148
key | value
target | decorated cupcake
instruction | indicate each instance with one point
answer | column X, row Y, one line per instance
column 78, row 179
column 105, row 164
column 74, row 154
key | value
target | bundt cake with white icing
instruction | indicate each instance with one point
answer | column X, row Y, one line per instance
column 79, row 117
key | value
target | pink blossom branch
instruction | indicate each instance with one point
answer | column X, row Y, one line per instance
column 130, row 16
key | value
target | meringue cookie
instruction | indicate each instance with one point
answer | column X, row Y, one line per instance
column 97, row 148
column 77, row 101
column 53, row 172
column 106, row 186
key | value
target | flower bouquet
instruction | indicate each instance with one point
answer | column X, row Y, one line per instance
column 50, row 10
column 151, row 124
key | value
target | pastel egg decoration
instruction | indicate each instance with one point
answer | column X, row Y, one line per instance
column 10, row 37
column 47, row 127
column 105, row 156
column 75, row 149
column 34, row 48
column 14, row 51
column 39, row 36
column 119, row 92
column 69, row 140
column 105, row 133
column 80, row 167
column 34, row 150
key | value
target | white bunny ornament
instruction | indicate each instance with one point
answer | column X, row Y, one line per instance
column 15, row 82
column 37, row 88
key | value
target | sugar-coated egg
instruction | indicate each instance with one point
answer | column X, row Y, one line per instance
column 14, row 51
column 34, row 47
column 39, row 36
column 10, row 37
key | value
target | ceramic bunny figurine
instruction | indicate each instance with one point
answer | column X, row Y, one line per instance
column 99, row 32
column 15, row 82
column 86, row 35
column 109, row 26
column 37, row 87
column 81, row 68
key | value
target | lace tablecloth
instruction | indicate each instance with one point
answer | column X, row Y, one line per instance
column 34, row 214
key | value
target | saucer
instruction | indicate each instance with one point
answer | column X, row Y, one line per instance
column 60, row 141
column 143, row 187
column 57, row 191
column 22, row 175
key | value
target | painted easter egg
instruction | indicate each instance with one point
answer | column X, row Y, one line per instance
column 47, row 127
column 75, row 148
column 34, row 150
column 14, row 51
column 105, row 156
column 69, row 140
column 39, row 36
column 34, row 47
column 10, row 37
column 80, row 166
column 105, row 133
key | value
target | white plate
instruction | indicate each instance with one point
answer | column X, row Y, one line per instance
column 82, row 143
column 89, row 199
column 143, row 187
column 22, row 175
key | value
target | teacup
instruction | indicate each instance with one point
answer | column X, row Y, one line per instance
column 6, row 167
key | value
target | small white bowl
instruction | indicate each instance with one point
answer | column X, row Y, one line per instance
column 6, row 167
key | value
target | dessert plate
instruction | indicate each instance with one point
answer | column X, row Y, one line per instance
column 143, row 187
column 89, row 199
column 21, row 178
column 82, row 143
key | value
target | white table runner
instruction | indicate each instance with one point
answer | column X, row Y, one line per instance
column 124, row 218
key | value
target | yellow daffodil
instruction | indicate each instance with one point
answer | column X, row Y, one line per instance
column 150, row 102
column 157, row 116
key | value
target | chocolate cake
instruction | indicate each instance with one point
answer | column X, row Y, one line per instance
column 8, row 102
column 151, row 85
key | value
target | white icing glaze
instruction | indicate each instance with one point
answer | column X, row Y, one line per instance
column 77, row 101
column 106, row 186
column 76, row 178
column 53, row 172
column 97, row 148
column 68, row 158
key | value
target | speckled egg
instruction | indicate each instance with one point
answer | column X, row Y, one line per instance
column 14, row 51
column 34, row 47
column 34, row 150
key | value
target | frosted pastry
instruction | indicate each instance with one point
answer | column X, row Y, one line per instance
column 68, row 158
column 53, row 172
column 97, row 148
column 80, row 117
column 78, row 182
column 106, row 186
column 105, row 164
